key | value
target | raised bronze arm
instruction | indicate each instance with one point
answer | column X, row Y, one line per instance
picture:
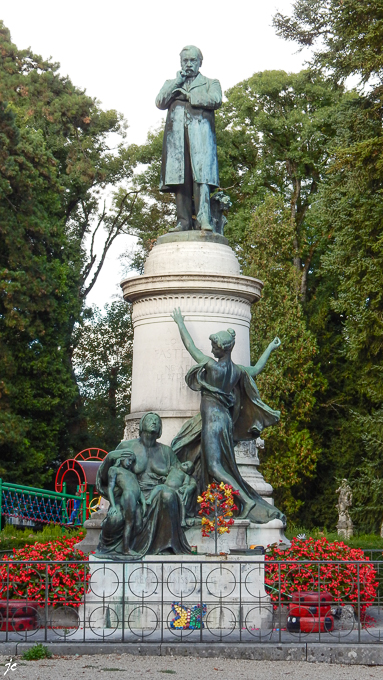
column 186, row 338
column 261, row 363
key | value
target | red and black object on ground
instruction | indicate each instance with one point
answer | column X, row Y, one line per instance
column 18, row 615
column 310, row 612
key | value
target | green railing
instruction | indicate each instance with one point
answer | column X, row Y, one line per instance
column 41, row 506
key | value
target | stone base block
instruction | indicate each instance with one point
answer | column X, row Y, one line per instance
column 93, row 528
column 241, row 536
column 138, row 596
column 267, row 534
column 235, row 539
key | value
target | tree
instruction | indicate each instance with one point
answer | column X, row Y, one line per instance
column 351, row 273
column 367, row 485
column 292, row 380
column 103, row 365
column 36, row 305
column 274, row 139
column 349, row 34
column 273, row 135
column 57, row 167
column 347, row 39
column 78, row 134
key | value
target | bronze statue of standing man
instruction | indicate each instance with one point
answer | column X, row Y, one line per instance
column 189, row 157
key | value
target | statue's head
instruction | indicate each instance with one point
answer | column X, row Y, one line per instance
column 222, row 342
column 151, row 423
column 188, row 467
column 128, row 459
column 191, row 60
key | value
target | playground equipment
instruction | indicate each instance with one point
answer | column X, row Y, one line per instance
column 25, row 503
column 78, row 476
column 94, row 504
column 72, row 501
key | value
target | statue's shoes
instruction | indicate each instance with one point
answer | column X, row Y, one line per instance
column 205, row 226
column 179, row 227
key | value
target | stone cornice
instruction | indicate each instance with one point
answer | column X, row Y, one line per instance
column 138, row 287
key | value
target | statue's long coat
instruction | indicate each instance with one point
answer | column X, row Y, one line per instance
column 197, row 115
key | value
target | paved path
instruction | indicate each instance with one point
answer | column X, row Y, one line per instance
column 124, row 666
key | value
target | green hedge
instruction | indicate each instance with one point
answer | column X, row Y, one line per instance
column 363, row 541
column 11, row 537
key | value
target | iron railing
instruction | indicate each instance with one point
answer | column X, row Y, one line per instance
column 27, row 503
column 192, row 599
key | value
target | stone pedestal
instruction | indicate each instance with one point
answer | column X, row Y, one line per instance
column 138, row 596
column 246, row 455
column 345, row 527
column 93, row 528
column 241, row 536
column 199, row 273
column 235, row 539
column 267, row 534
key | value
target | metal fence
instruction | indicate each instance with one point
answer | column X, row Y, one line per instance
column 192, row 599
column 27, row 504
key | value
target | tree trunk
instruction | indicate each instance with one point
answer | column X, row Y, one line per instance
column 305, row 274
column 292, row 171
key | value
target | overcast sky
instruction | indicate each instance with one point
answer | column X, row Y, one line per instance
column 122, row 51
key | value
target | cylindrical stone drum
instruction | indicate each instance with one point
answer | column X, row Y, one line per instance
column 199, row 273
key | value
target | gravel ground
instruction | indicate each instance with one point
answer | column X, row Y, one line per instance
column 123, row 666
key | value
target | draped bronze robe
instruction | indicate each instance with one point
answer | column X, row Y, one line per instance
column 223, row 420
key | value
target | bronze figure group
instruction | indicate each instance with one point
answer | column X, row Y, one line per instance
column 152, row 488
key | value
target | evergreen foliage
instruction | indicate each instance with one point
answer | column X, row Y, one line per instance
column 346, row 311
column 292, row 378
column 103, row 365
column 349, row 34
column 56, row 164
column 37, row 303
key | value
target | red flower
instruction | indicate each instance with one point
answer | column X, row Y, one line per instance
column 28, row 570
column 323, row 566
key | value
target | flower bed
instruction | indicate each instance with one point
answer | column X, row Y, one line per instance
column 324, row 572
column 39, row 578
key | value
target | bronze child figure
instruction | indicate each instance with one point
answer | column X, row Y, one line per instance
column 126, row 498
column 179, row 479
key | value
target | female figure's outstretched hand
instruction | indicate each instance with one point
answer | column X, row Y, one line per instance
column 186, row 338
column 275, row 343
column 177, row 316
column 261, row 363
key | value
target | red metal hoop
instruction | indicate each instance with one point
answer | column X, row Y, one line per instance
column 91, row 453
